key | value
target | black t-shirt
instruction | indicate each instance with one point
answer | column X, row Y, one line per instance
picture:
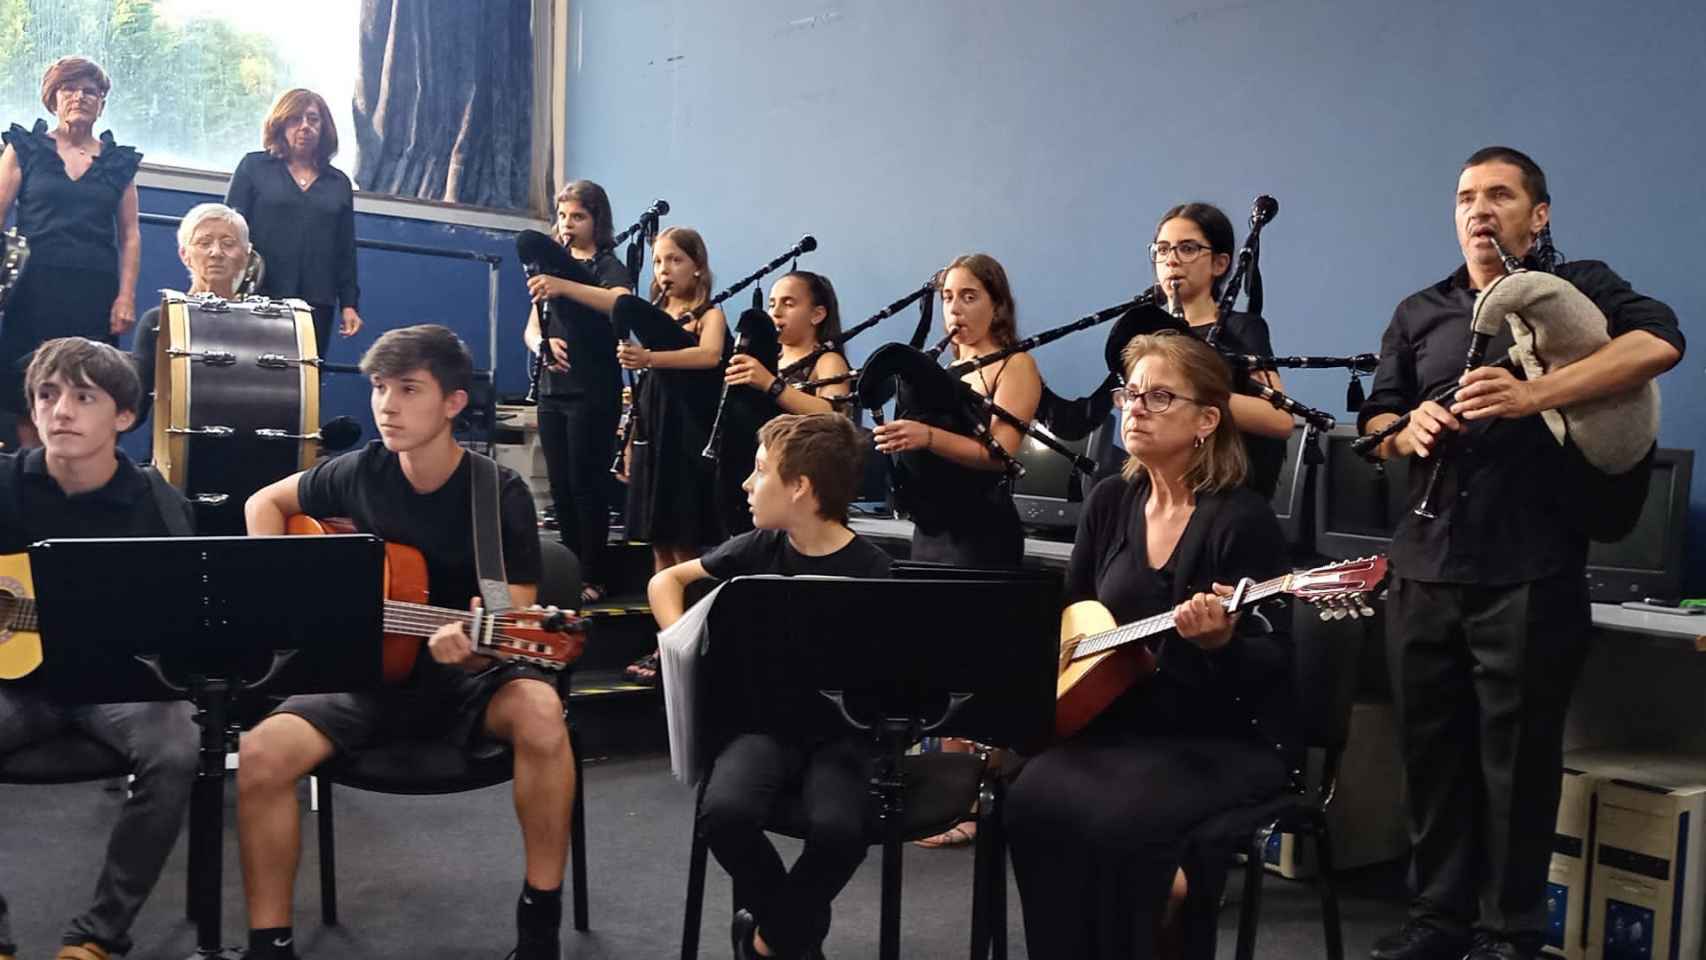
column 368, row 487
column 593, row 372
column 1503, row 517
column 768, row 551
column 1247, row 333
column 33, row 507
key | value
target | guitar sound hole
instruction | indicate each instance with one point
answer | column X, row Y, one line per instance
column 8, row 609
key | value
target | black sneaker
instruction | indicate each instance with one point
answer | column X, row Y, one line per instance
column 536, row 948
column 1420, row 940
column 1497, row 946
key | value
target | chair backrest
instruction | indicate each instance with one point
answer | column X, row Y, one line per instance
column 559, row 575
column 1324, row 672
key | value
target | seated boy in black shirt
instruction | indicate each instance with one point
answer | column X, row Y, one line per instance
column 412, row 486
column 82, row 395
column 802, row 480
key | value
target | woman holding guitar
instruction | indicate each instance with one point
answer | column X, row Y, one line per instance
column 1096, row 820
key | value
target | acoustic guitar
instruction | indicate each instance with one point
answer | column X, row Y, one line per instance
column 1100, row 660
column 549, row 640
column 20, row 630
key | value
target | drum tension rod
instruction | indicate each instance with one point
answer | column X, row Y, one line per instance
column 219, row 432
column 213, row 358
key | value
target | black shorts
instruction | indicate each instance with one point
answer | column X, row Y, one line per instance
column 437, row 703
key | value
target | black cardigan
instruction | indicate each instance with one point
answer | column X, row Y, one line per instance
column 1242, row 690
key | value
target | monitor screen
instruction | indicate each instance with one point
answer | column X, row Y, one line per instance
column 1648, row 562
column 1357, row 503
column 1047, row 473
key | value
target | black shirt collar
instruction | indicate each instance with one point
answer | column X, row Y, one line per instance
column 126, row 481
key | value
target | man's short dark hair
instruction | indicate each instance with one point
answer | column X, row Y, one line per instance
column 85, row 363
column 1533, row 178
column 428, row 346
column 822, row 447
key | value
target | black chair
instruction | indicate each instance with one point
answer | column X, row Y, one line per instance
column 416, row 767
column 939, row 789
column 1324, row 675
column 71, row 757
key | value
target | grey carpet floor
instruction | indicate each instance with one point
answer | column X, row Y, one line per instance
column 438, row 877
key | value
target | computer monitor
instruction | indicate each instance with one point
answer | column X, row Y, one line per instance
column 1648, row 562
column 1048, row 496
column 1291, row 501
column 1357, row 503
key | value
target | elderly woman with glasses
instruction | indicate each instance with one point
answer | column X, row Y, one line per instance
column 213, row 243
column 1096, row 821
column 76, row 198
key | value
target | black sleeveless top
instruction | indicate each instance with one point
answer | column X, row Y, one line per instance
column 937, row 493
column 70, row 223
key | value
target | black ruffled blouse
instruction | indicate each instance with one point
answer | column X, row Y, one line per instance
column 71, row 223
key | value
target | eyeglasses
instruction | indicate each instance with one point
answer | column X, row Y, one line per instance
column 1187, row 250
column 225, row 244
column 1157, row 400
column 86, row 93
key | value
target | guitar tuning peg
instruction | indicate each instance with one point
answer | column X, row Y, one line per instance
column 1324, row 613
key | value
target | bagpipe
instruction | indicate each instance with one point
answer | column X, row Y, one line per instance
column 657, row 330
column 1608, row 441
column 837, row 344
column 540, row 254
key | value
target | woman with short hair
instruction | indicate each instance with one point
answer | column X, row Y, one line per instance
column 301, row 212
column 77, row 207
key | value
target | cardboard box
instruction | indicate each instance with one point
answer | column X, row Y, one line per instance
column 1645, row 895
column 1568, row 881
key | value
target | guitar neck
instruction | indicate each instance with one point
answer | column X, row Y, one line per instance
column 1162, row 622
column 423, row 620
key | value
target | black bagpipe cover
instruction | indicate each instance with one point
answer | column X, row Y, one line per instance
column 654, row 328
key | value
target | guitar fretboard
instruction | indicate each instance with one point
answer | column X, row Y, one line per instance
column 1161, row 622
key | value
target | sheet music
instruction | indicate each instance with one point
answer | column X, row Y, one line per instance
column 679, row 650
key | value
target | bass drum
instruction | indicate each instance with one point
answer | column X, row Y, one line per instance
column 236, row 402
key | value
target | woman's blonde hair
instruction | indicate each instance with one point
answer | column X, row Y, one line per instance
column 1220, row 463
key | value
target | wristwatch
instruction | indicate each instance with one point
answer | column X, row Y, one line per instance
column 776, row 387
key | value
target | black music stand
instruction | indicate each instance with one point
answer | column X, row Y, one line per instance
column 894, row 660
column 208, row 619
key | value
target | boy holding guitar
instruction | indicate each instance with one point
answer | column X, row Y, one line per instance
column 413, row 486
column 82, row 395
column 803, row 477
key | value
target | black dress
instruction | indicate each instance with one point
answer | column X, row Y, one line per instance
column 69, row 285
column 960, row 516
column 578, row 413
column 307, row 237
column 672, row 496
column 1096, row 821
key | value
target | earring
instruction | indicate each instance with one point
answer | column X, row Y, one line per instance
column 1198, row 444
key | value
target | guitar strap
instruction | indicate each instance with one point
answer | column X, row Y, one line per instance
column 488, row 533
column 170, row 503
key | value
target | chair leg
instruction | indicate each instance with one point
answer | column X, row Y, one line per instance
column 693, row 912
column 889, row 930
column 1329, row 894
column 982, row 879
column 328, row 856
column 998, row 881
column 577, row 837
column 1250, row 910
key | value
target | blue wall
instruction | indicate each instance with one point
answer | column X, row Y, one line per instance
column 397, row 289
column 904, row 132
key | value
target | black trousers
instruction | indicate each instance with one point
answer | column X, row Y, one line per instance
column 1481, row 679
column 792, row 906
column 579, row 442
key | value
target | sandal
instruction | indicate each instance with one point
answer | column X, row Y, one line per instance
column 959, row 835
column 644, row 670
column 592, row 593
